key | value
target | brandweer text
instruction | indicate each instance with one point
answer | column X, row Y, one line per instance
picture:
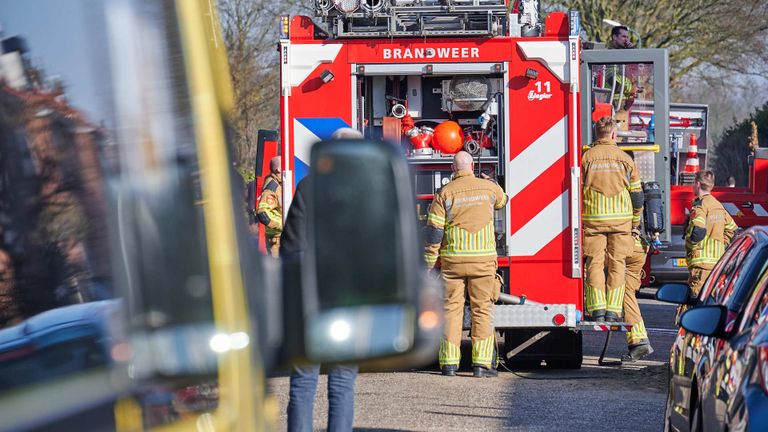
column 427, row 53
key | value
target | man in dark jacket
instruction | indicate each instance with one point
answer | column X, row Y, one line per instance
column 341, row 379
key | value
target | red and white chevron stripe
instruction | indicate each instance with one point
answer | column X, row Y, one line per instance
column 538, row 179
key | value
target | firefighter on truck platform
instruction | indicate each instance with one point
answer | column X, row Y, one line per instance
column 270, row 209
column 460, row 230
column 612, row 204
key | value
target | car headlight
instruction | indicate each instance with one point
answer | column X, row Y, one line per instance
column 347, row 6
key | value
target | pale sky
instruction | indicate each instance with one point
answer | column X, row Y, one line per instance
column 55, row 32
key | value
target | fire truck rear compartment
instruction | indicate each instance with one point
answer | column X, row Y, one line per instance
column 469, row 99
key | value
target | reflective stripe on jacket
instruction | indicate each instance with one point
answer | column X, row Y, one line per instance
column 708, row 215
column 460, row 222
column 269, row 211
column 609, row 177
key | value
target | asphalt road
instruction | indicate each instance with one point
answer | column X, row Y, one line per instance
column 630, row 397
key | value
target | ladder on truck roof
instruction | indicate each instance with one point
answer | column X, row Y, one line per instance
column 413, row 18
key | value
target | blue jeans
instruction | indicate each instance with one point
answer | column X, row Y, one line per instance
column 341, row 398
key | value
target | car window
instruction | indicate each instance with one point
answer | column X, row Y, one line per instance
column 737, row 279
column 750, row 270
column 757, row 303
column 726, row 272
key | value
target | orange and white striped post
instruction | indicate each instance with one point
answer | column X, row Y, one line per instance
column 692, row 161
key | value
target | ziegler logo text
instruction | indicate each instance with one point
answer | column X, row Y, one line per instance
column 538, row 94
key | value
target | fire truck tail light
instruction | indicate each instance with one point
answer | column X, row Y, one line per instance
column 558, row 319
column 347, row 6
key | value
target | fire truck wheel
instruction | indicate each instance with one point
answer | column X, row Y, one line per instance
column 523, row 364
column 561, row 348
column 573, row 362
column 572, row 356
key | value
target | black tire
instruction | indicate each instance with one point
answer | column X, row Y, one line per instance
column 561, row 348
column 523, row 364
column 573, row 362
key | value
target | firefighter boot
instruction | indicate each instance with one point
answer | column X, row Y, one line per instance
column 483, row 372
column 448, row 370
column 612, row 317
column 637, row 352
column 597, row 315
column 486, row 372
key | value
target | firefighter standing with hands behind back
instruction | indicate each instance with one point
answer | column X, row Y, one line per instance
column 709, row 230
column 460, row 229
column 270, row 209
column 611, row 208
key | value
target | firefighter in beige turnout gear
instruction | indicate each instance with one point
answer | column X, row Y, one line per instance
column 460, row 231
column 270, row 208
column 709, row 231
column 637, row 338
column 612, row 203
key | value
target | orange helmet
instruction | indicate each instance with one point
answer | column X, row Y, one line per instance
column 448, row 137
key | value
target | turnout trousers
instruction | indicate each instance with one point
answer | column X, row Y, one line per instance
column 478, row 279
column 635, row 263
column 603, row 243
column 696, row 278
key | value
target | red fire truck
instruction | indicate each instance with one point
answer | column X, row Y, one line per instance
column 520, row 94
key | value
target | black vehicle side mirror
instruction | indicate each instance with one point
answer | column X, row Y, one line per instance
column 365, row 292
column 160, row 266
column 705, row 320
column 674, row 293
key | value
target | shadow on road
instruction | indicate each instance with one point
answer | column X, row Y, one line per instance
column 621, row 398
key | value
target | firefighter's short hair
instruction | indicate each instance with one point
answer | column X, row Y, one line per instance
column 616, row 30
column 706, row 179
column 604, row 127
